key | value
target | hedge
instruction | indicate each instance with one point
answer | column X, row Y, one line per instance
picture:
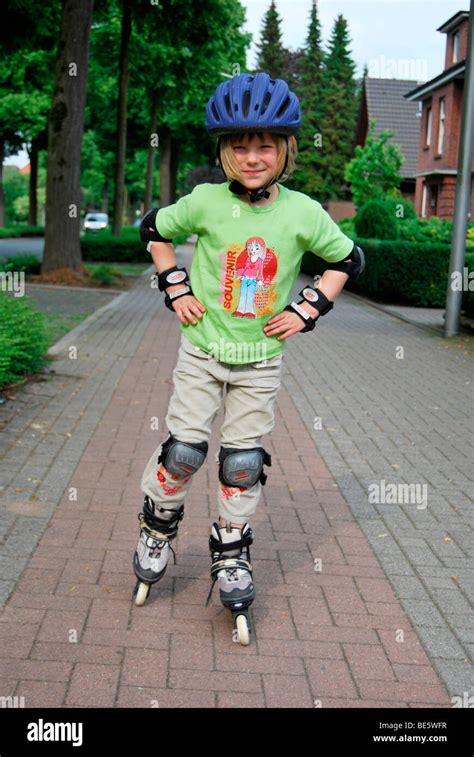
column 112, row 250
column 400, row 272
column 10, row 232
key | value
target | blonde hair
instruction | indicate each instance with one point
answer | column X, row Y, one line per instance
column 231, row 165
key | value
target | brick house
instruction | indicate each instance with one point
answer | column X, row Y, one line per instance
column 441, row 100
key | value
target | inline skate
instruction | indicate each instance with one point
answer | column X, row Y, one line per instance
column 150, row 560
column 231, row 567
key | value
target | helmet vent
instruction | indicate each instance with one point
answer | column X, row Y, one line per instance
column 246, row 103
column 227, row 105
column 214, row 112
column 283, row 107
column 267, row 99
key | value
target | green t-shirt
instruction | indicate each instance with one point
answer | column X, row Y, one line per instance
column 246, row 262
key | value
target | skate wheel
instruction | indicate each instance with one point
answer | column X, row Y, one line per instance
column 243, row 630
column 141, row 593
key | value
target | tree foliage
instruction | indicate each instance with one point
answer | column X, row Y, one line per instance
column 374, row 172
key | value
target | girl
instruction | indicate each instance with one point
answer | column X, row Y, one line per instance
column 252, row 232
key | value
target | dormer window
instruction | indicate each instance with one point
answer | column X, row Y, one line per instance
column 455, row 47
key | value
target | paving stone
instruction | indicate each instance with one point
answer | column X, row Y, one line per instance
column 331, row 637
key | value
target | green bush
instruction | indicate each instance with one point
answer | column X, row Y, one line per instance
column 10, row 232
column 433, row 229
column 405, row 273
column 401, row 208
column 23, row 340
column 347, row 226
column 376, row 220
column 103, row 274
column 26, row 263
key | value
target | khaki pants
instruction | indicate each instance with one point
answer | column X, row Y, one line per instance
column 200, row 382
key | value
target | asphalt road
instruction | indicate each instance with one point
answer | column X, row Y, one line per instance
column 22, row 246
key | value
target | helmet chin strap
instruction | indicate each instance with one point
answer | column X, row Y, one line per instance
column 254, row 195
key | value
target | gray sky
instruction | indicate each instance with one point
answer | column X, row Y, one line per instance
column 396, row 38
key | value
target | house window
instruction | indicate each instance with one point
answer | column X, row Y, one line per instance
column 433, row 199
column 423, row 201
column 441, row 125
column 455, row 47
column 428, row 126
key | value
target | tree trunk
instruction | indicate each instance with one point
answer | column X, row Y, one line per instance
column 122, row 118
column 125, row 206
column 33, row 199
column 65, row 131
column 2, row 196
column 150, row 160
column 165, row 167
column 105, row 197
column 131, row 210
column 174, row 159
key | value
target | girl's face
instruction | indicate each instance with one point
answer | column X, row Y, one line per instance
column 257, row 159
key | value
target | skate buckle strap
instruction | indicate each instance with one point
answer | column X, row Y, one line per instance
column 154, row 533
column 231, row 562
column 219, row 546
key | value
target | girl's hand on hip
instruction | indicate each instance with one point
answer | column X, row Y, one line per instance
column 186, row 307
column 286, row 324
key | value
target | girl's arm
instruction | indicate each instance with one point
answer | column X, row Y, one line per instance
column 164, row 258
column 331, row 284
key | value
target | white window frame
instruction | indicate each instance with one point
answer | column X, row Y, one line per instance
column 429, row 123
column 455, row 47
column 424, row 199
column 442, row 116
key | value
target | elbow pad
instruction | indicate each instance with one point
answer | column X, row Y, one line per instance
column 148, row 231
column 353, row 265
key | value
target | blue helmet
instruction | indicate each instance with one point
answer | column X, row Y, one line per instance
column 253, row 102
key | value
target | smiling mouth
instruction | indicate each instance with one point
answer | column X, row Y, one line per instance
column 259, row 171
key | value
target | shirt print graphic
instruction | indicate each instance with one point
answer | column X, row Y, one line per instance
column 248, row 287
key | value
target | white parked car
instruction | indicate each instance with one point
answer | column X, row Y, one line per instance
column 96, row 221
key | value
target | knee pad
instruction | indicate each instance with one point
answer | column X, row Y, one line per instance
column 182, row 458
column 242, row 467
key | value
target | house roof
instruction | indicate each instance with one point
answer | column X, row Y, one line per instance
column 453, row 21
column 424, row 90
column 386, row 105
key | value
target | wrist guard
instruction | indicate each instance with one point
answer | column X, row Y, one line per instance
column 170, row 298
column 171, row 276
column 317, row 300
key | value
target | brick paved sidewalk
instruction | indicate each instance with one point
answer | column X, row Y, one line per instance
column 71, row 635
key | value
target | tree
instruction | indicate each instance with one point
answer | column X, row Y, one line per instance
column 271, row 53
column 122, row 116
column 65, row 130
column 375, row 171
column 196, row 43
column 308, row 177
column 27, row 45
column 339, row 110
